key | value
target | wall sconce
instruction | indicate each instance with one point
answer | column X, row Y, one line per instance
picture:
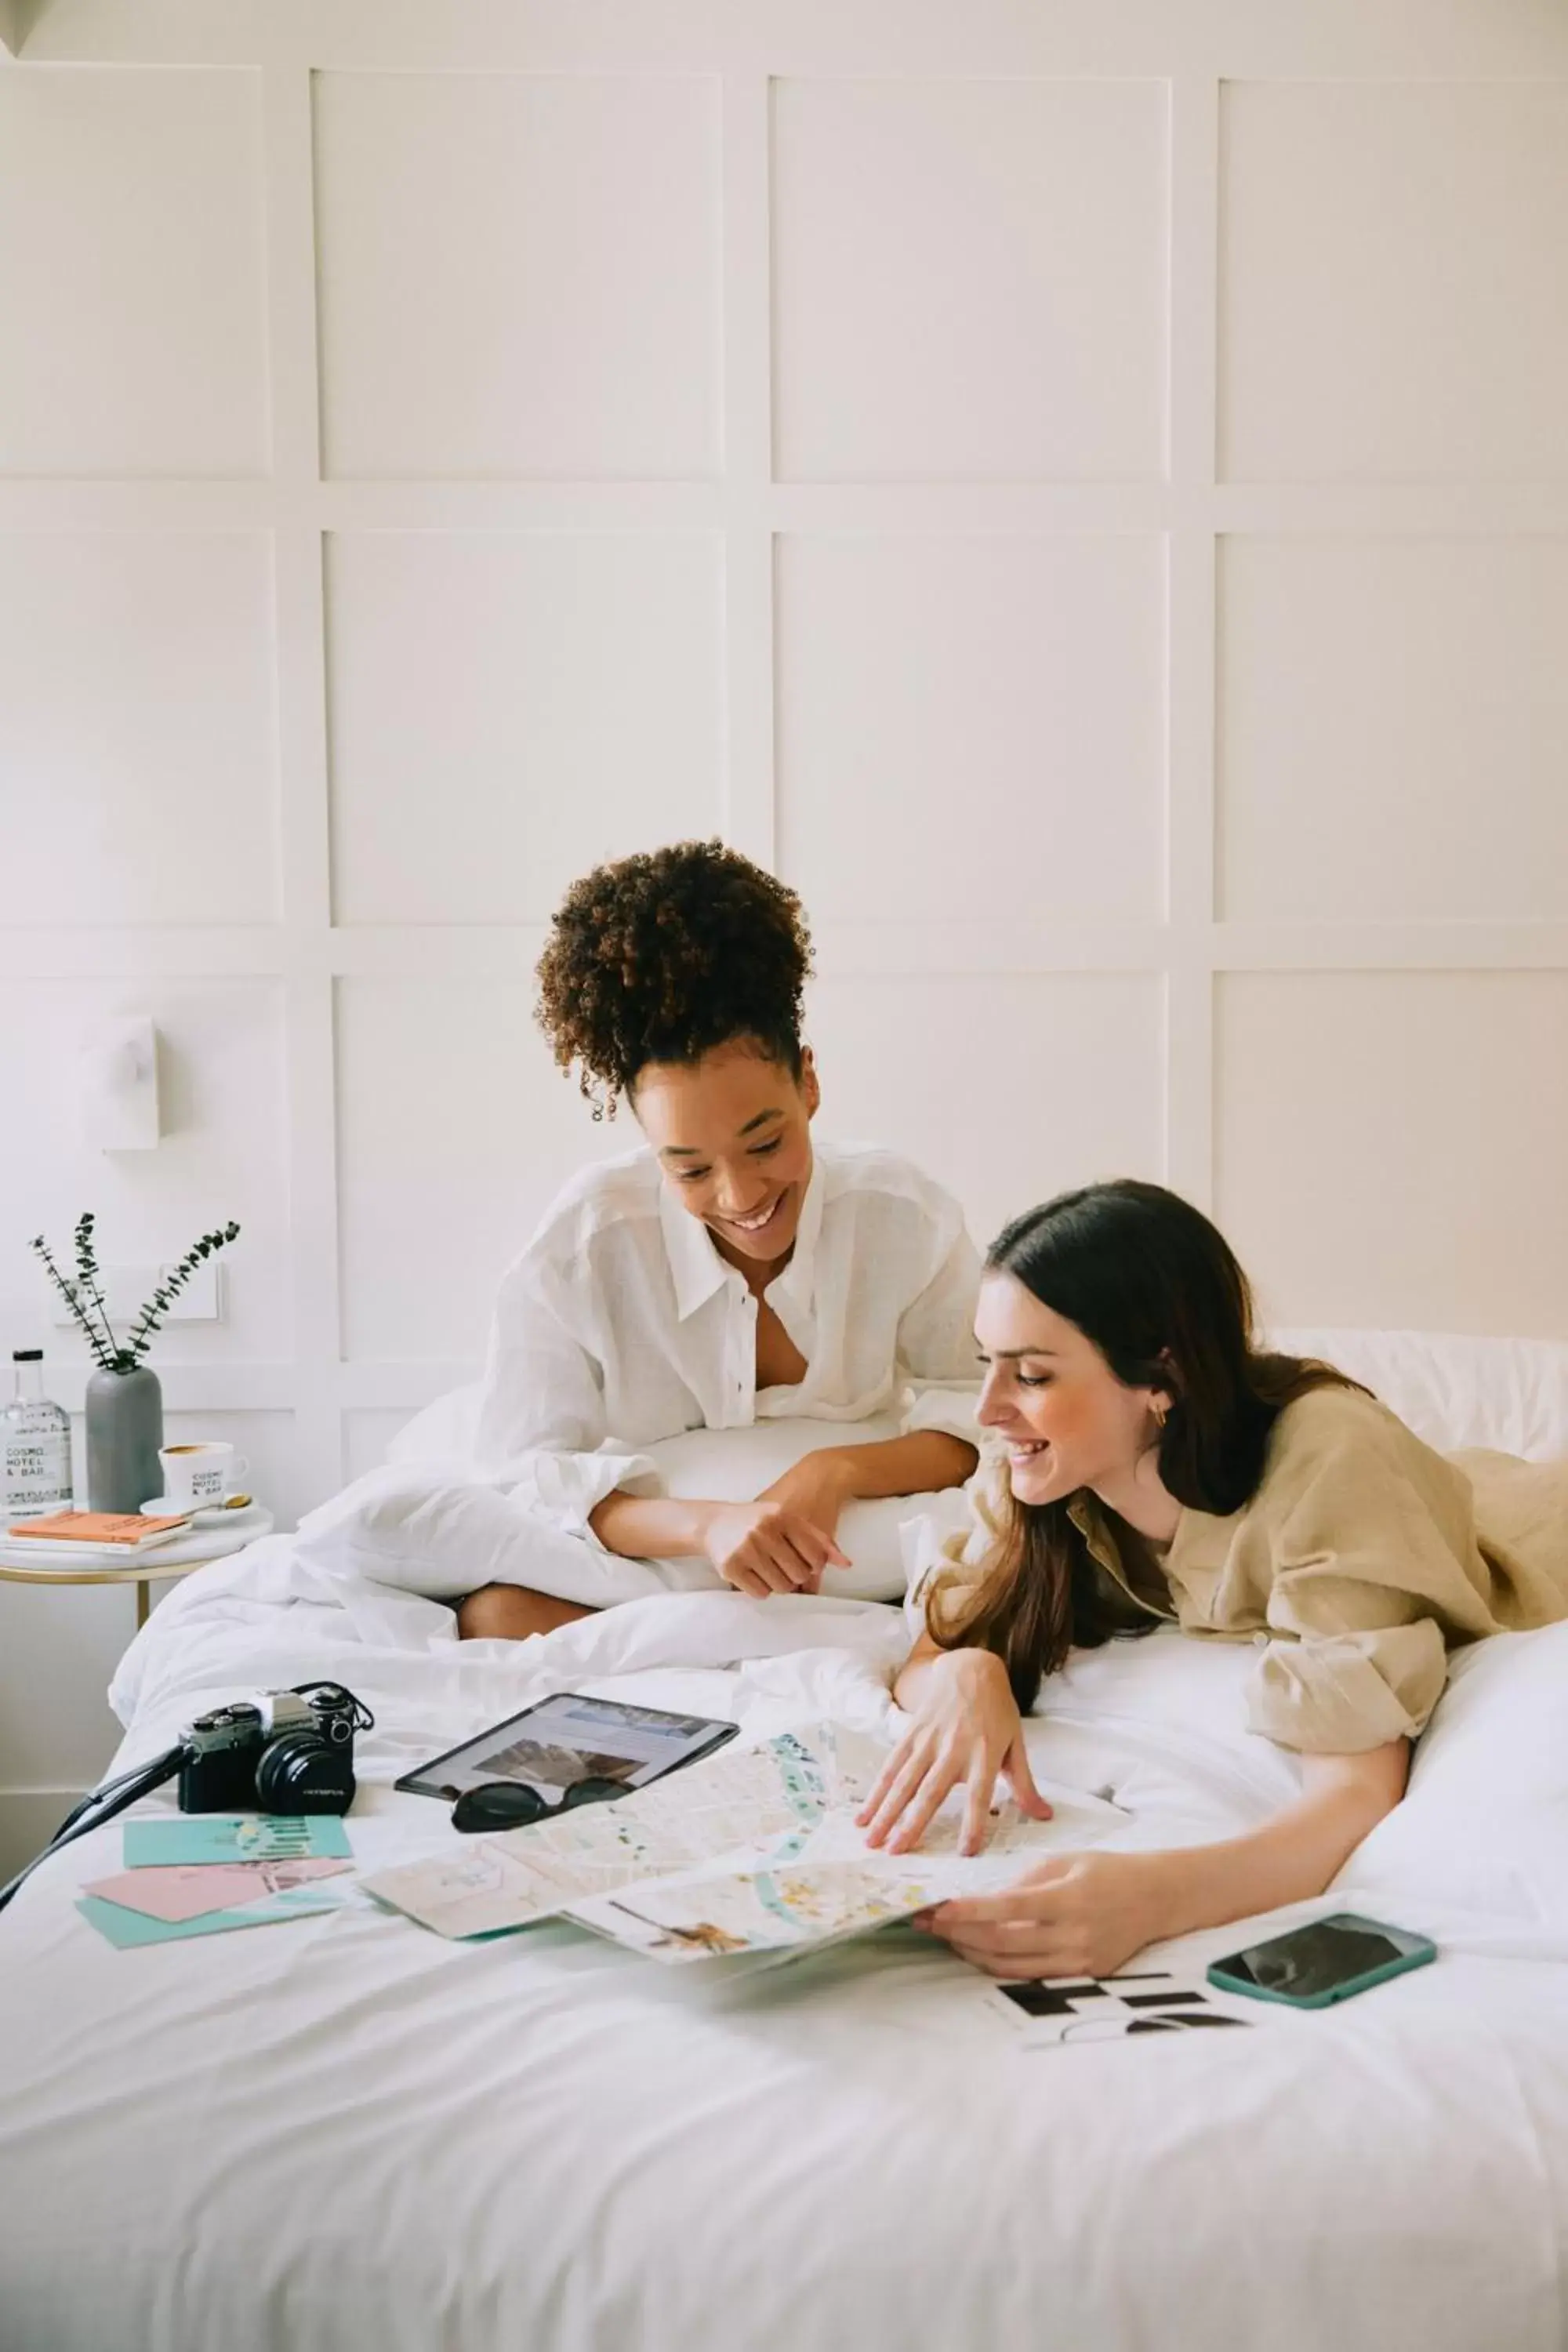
column 119, row 1086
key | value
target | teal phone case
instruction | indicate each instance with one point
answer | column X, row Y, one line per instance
column 1418, row 1959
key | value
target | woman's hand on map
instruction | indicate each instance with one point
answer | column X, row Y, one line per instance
column 1078, row 1915
column 967, row 1729
column 769, row 1546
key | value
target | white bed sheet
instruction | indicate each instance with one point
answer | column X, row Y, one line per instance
column 345, row 2132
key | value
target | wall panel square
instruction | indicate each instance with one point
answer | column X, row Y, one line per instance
column 518, row 274
column 1393, row 303
column 224, row 1153
column 133, row 273
column 138, row 750
column 1005, row 1089
column 507, row 710
column 970, row 280
column 1391, row 1148
column 59, row 1650
column 1393, row 729
column 972, row 727
column 368, row 1430
column 455, row 1131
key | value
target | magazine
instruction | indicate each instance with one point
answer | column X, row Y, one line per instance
column 755, row 1851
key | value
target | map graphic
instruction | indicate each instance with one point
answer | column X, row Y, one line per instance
column 752, row 1850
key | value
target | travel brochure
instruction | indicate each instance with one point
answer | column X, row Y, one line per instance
column 233, row 1837
column 203, row 1873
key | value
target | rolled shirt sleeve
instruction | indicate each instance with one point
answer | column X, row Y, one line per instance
column 1369, row 1584
column 936, row 1353
column 1342, row 1694
column 542, row 1432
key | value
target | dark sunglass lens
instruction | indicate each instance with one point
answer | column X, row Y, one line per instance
column 499, row 1804
column 593, row 1792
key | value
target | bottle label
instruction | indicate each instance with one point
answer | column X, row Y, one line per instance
column 37, row 1476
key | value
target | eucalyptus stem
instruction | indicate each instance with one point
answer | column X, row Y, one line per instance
column 111, row 1354
column 87, row 1272
column 102, row 1356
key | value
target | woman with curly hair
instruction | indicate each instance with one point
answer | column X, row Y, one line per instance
column 1154, row 1464
column 727, row 1271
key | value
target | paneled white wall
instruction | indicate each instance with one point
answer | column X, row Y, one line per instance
column 1083, row 492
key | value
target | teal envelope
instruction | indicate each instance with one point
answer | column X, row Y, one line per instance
column 124, row 1928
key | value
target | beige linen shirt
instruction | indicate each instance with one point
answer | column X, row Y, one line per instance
column 1361, row 1562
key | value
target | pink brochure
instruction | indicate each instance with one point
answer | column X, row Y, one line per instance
column 178, row 1890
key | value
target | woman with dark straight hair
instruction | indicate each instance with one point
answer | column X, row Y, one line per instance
column 1154, row 1464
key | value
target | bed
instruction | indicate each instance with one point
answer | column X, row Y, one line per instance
column 346, row 2132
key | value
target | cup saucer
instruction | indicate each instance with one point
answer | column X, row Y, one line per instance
column 200, row 1515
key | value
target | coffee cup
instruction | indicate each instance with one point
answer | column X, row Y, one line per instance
column 198, row 1478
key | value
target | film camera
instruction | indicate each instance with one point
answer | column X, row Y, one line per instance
column 285, row 1752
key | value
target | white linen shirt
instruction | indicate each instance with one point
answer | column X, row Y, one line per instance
column 621, row 1323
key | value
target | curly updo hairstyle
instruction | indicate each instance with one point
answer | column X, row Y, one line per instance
column 662, row 957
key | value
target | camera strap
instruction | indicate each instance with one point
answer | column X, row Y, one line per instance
column 100, row 1805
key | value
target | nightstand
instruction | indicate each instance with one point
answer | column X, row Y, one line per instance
column 20, row 1564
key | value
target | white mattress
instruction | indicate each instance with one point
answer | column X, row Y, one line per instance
column 344, row 2132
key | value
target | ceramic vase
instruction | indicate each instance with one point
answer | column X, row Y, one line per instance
column 124, row 1431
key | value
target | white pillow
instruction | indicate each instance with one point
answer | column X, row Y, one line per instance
column 1455, row 1390
column 420, row 1525
column 1485, row 1824
column 730, row 1465
column 445, row 1430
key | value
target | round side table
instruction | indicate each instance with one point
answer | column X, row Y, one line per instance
column 20, row 1564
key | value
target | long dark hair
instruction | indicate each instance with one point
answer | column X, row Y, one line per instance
column 1158, row 1289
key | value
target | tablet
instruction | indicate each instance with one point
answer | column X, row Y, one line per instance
column 559, row 1741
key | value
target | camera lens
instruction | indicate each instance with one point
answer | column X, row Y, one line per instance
column 300, row 1773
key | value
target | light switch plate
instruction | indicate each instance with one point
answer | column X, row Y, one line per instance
column 127, row 1288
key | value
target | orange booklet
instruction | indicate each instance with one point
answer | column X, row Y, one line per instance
column 122, row 1530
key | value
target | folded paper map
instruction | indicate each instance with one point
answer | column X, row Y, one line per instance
column 776, row 1910
column 749, row 1851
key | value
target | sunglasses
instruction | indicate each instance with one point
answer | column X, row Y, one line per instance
column 513, row 1804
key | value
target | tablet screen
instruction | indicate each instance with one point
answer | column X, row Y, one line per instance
column 568, row 1738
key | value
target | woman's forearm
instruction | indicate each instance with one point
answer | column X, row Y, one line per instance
column 651, row 1527
column 915, row 1673
column 661, row 1527
column 922, row 1464
column 1295, row 1856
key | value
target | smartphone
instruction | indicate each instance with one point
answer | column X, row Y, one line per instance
column 1325, row 1961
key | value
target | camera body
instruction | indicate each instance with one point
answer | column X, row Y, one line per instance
column 276, row 1752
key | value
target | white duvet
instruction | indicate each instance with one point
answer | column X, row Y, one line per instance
column 344, row 2132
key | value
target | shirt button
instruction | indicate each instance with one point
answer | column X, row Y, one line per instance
column 1260, row 1641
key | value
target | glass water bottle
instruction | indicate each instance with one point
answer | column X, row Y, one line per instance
column 34, row 1446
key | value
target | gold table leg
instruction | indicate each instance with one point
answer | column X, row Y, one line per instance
column 143, row 1601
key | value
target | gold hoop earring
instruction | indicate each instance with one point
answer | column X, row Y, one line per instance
column 1160, row 1413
